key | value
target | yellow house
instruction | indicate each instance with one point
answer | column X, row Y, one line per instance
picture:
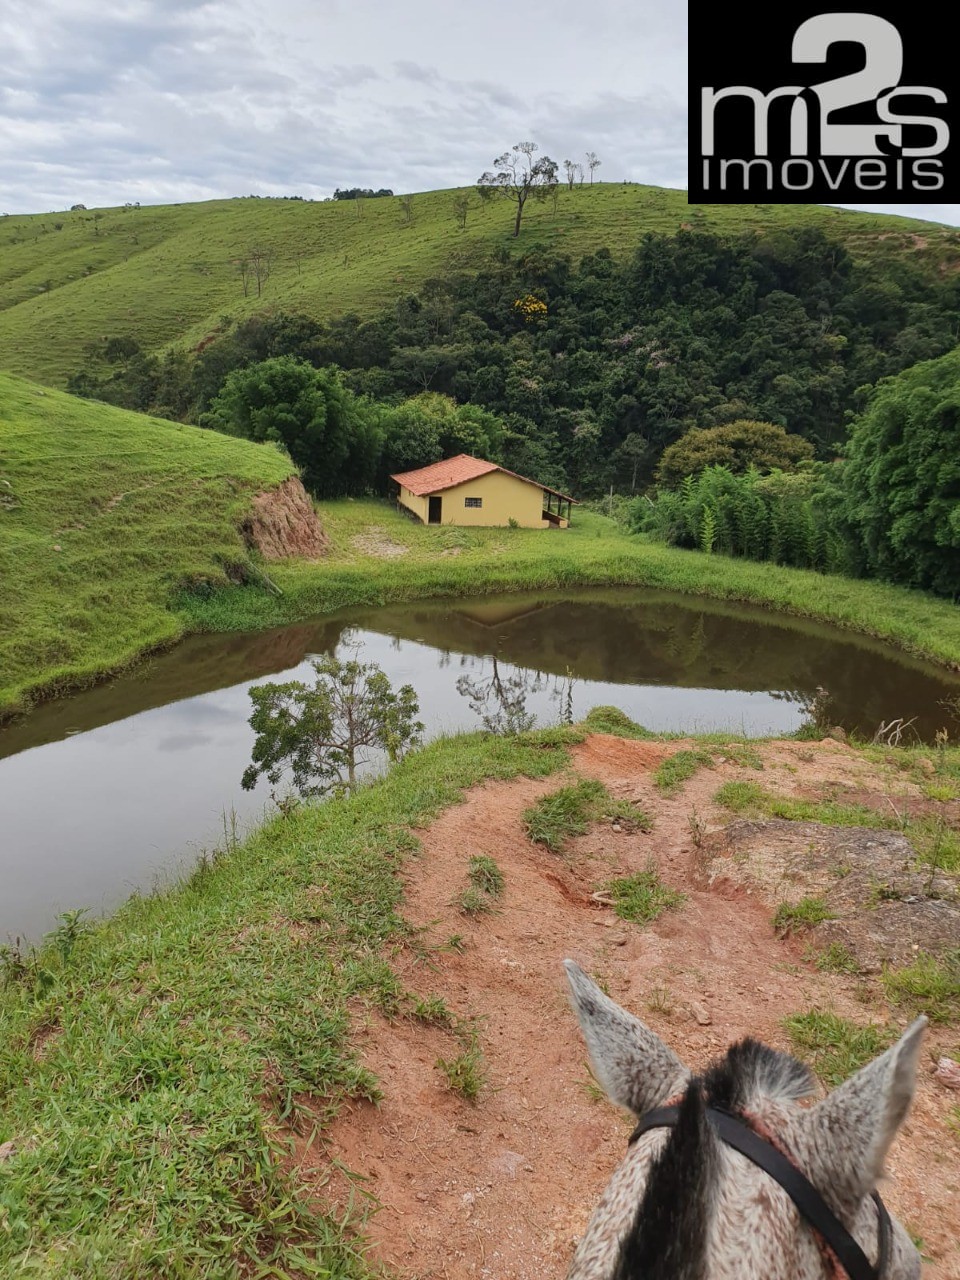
column 469, row 491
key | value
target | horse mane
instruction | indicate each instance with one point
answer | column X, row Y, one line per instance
column 670, row 1233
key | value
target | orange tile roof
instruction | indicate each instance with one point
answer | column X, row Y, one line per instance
column 458, row 470
column 444, row 475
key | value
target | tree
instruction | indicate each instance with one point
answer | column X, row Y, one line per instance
column 430, row 426
column 320, row 732
column 736, row 446
column 901, row 477
column 260, row 260
column 461, row 207
column 571, row 169
column 634, row 453
column 406, row 210
column 331, row 434
column 593, row 163
column 517, row 176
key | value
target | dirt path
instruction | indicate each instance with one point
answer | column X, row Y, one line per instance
column 503, row 1188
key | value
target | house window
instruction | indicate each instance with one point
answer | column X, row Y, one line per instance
column 473, row 502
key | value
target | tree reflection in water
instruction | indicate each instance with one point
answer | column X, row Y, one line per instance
column 500, row 700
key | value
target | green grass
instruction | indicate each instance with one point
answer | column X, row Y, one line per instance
column 168, row 274
column 741, row 797
column 568, row 812
column 796, row 916
column 834, row 1046
column 930, row 985
column 742, row 755
column 837, row 959
column 108, row 513
column 616, row 722
column 485, row 875
column 670, row 775
column 473, row 902
column 433, row 1010
column 643, row 897
column 465, row 1072
column 145, row 1067
column 142, row 572
column 752, row 799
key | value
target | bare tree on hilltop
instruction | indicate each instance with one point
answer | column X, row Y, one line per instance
column 572, row 171
column 593, row 163
column 517, row 177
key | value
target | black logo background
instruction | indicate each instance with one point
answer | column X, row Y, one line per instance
column 742, row 49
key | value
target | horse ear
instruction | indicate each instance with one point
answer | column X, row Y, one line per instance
column 851, row 1131
column 635, row 1067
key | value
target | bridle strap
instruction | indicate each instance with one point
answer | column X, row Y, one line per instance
column 810, row 1204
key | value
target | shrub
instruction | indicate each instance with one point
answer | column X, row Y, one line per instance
column 901, row 477
column 738, row 446
column 780, row 517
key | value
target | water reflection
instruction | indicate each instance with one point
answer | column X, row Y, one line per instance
column 106, row 791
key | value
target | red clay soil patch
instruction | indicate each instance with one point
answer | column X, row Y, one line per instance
column 502, row 1189
column 283, row 523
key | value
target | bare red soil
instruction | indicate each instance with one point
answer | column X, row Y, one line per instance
column 283, row 523
column 502, row 1188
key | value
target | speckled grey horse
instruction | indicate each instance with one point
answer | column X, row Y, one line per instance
column 684, row 1206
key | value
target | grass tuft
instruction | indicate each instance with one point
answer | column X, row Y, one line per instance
column 643, row 897
column 672, row 773
column 433, row 1010
column 837, row 959
column 466, row 1072
column 617, row 723
column 486, row 876
column 834, row 1046
column 472, row 902
column 565, row 813
column 740, row 797
column 930, row 985
column 792, row 917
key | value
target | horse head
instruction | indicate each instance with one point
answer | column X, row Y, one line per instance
column 686, row 1203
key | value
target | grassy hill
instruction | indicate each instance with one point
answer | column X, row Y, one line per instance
column 103, row 513
column 170, row 274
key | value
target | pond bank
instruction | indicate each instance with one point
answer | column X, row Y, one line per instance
column 178, row 725
column 169, row 1078
column 380, row 557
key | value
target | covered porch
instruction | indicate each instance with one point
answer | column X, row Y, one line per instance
column 557, row 508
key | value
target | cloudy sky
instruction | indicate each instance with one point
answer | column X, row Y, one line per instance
column 105, row 101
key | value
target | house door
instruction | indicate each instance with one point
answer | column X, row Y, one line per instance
column 434, row 513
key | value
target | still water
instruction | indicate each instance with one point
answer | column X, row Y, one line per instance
column 120, row 787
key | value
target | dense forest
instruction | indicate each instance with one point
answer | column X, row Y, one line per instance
column 595, row 367
column 739, row 394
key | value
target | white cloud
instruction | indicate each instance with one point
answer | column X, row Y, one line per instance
column 163, row 100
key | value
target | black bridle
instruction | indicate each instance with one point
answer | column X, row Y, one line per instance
column 738, row 1134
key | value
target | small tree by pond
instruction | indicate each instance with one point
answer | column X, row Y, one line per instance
column 319, row 732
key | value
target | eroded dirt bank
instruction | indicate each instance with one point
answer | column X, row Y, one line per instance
column 283, row 523
column 503, row 1187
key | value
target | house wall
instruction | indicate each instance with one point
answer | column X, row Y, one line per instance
column 504, row 497
column 419, row 506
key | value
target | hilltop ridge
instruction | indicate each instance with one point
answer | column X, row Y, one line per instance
column 170, row 274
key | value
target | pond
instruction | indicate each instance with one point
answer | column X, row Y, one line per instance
column 120, row 787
